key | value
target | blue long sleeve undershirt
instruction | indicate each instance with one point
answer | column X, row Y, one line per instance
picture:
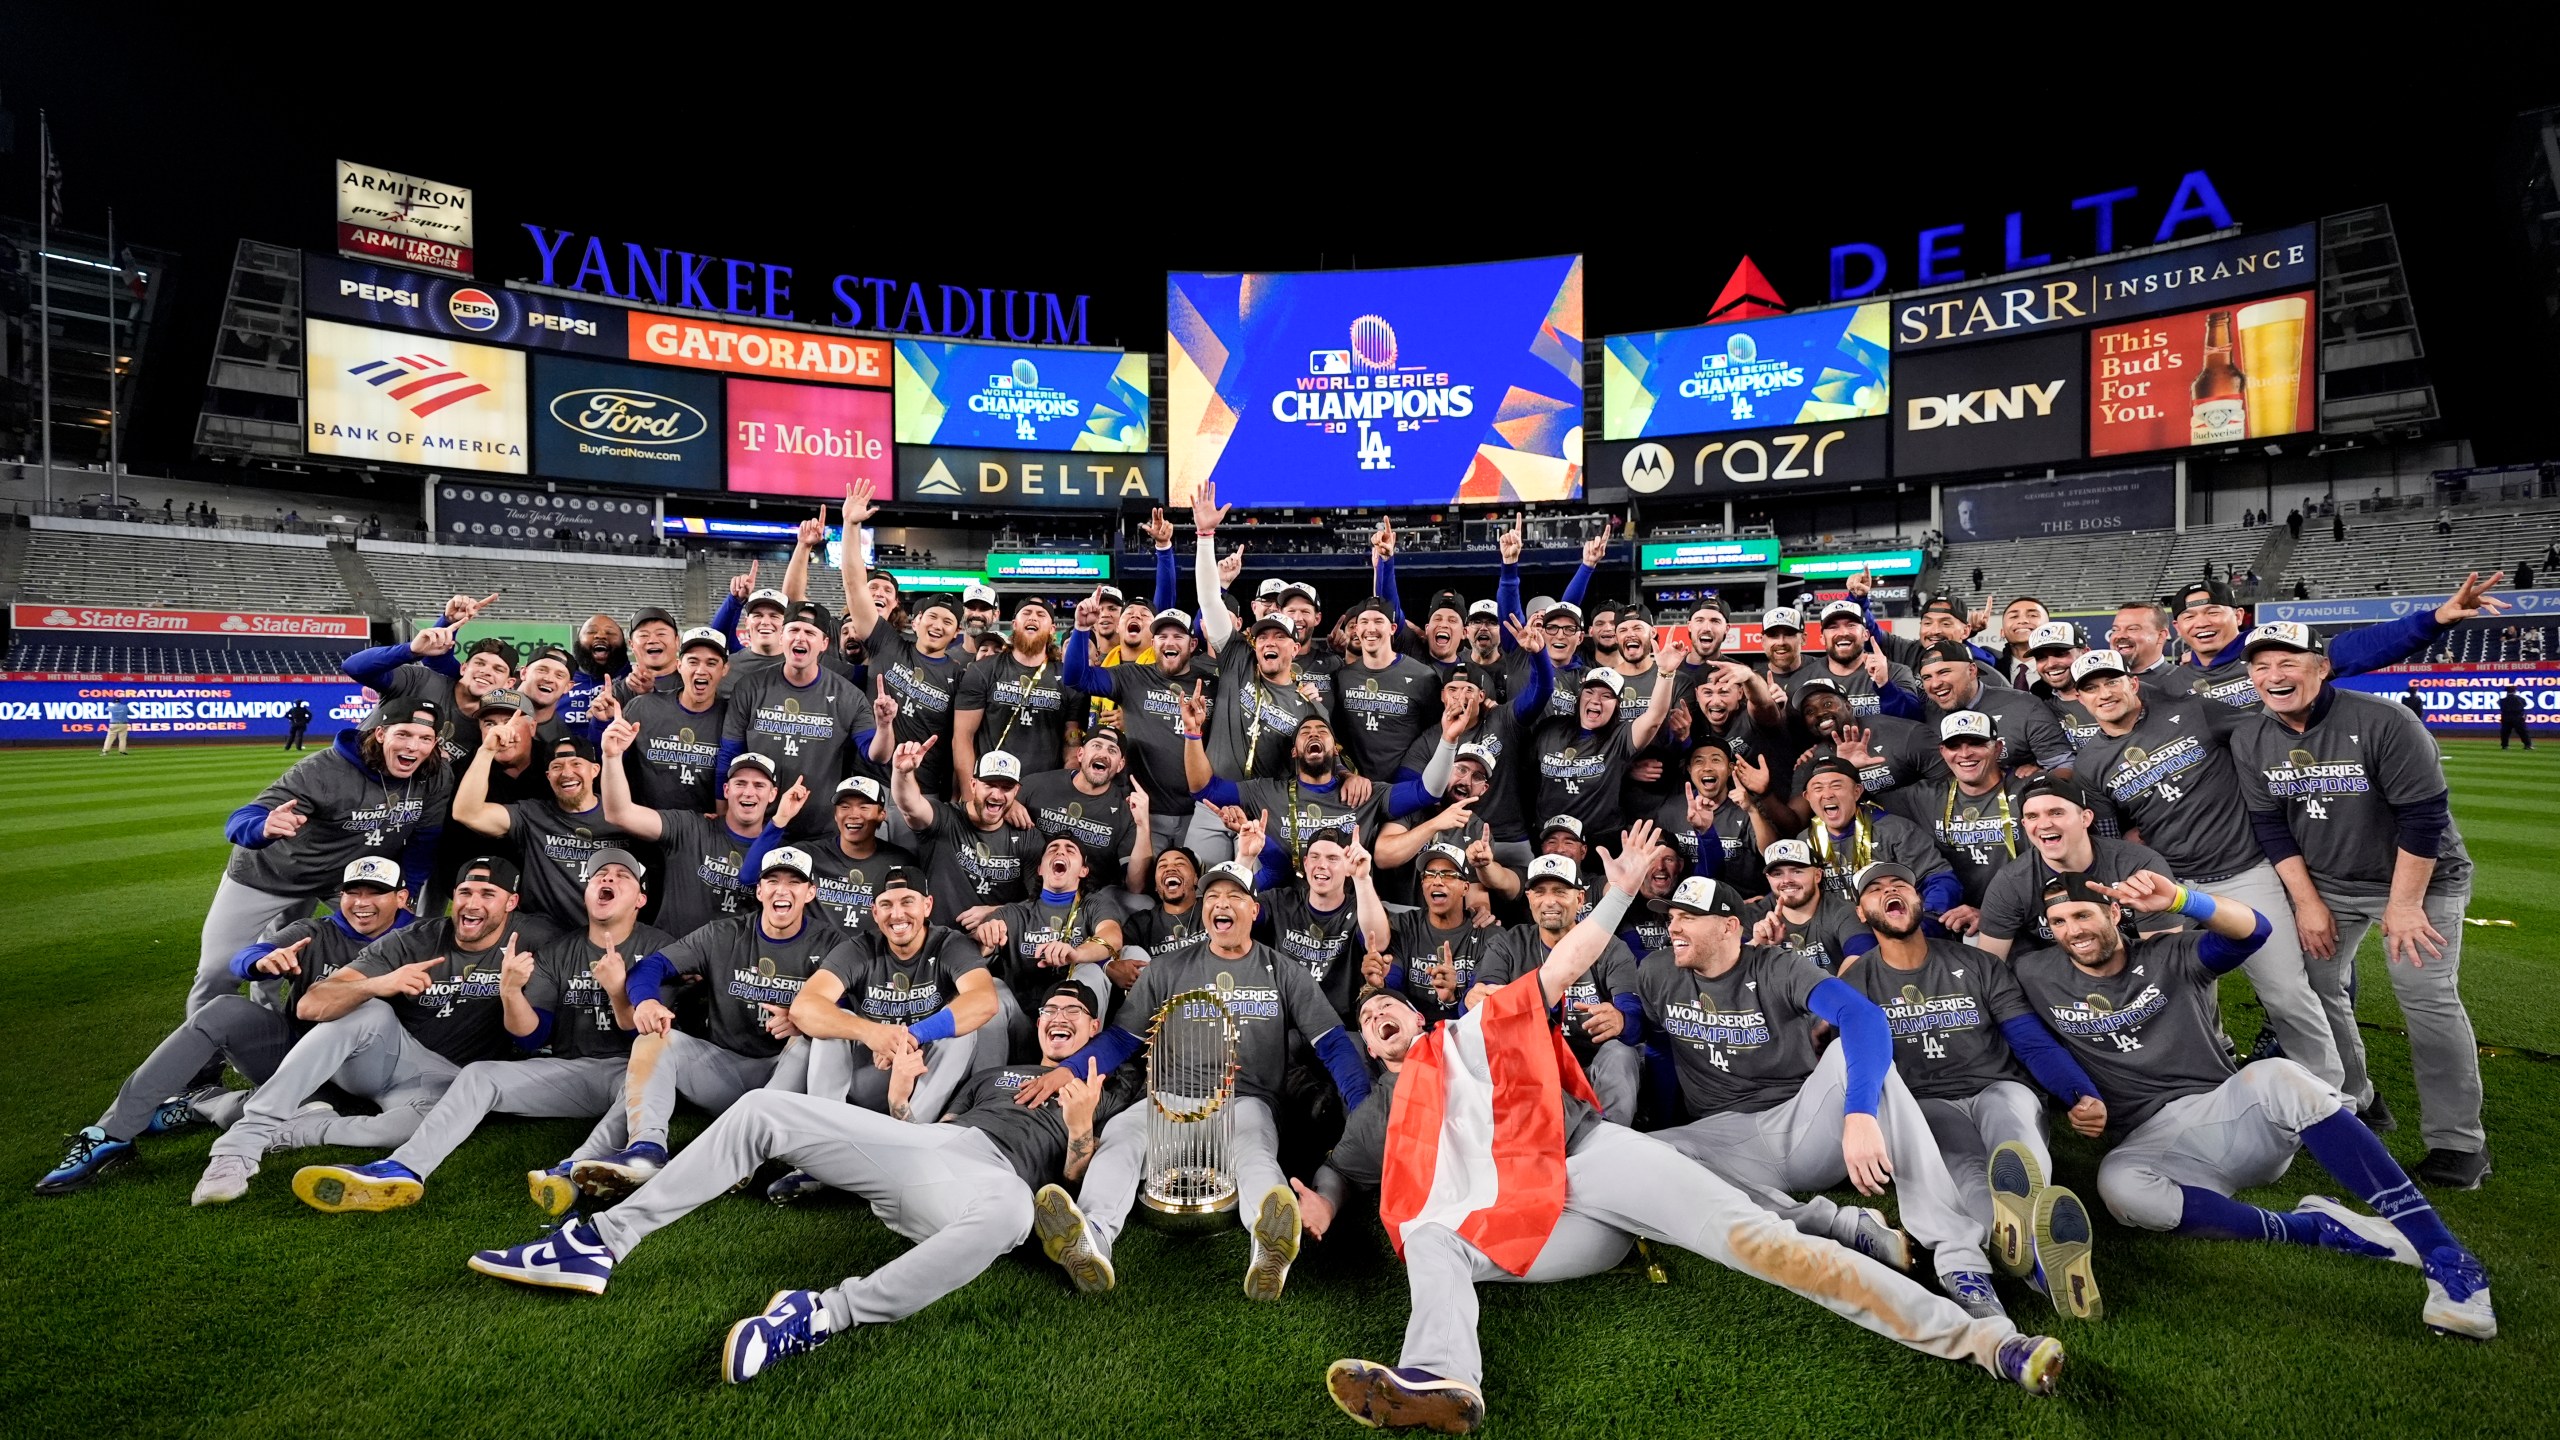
column 1897, row 702
column 1077, row 669
column 1506, row 596
column 1342, row 1060
column 541, row 1032
column 1866, row 1038
column 2222, row 955
column 1531, row 702
column 725, row 620
column 1631, row 1007
column 2045, row 1059
column 1168, row 581
column 645, row 979
column 374, row 667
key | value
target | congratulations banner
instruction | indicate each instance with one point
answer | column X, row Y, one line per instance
column 1013, row 397
column 1823, row 365
column 2464, row 699
column 175, row 709
column 1378, row 387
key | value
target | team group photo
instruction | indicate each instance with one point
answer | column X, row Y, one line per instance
column 649, row 813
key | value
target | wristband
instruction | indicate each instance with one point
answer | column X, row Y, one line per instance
column 2195, row 905
column 937, row 1026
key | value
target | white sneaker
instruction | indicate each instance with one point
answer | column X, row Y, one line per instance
column 225, row 1179
column 2371, row 1229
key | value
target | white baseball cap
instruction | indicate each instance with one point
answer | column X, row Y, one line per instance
column 1972, row 724
column 774, row 598
column 1604, row 676
column 1478, row 754
column 703, row 635
column 380, row 871
column 1485, row 608
column 1233, row 872
column 1787, row 852
column 2280, row 635
column 754, row 760
column 1839, row 608
column 999, row 765
column 1785, row 617
column 1177, row 619
column 791, row 858
column 2099, row 662
column 1554, row 867
column 1270, row 586
column 862, row 785
column 1456, row 857
column 978, row 593
column 1567, row 823
column 2054, row 635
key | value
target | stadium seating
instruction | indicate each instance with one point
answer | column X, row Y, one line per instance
column 150, row 658
column 2495, row 643
column 536, row 585
column 2101, row 572
column 2408, row 557
column 125, row 565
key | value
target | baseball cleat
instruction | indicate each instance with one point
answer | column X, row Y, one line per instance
column 1873, row 1235
column 174, row 1113
column 793, row 1188
column 382, row 1185
column 2453, row 1169
column 792, row 1322
column 216, row 1105
column 2458, row 1295
column 1377, row 1397
column 1972, row 1290
column 2063, row 1239
column 570, row 1256
column 90, row 1154
column 2015, row 1179
column 2032, row 1362
column 1275, row 1244
column 2377, row 1117
column 1065, row 1238
column 551, row 1189
column 226, row 1178
column 2344, row 1230
column 614, row 1177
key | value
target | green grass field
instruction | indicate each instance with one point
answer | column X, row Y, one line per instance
column 125, row 1310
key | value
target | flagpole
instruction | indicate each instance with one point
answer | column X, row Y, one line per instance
column 44, row 296
column 115, row 490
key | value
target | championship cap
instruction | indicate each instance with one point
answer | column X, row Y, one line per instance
column 938, row 602
column 1701, row 896
column 757, row 760
column 810, row 612
column 379, row 872
column 2053, row 635
column 1030, row 602
column 415, row 712
column 1711, row 602
column 1000, row 765
column 613, row 855
column 1564, row 607
column 515, row 699
column 1301, row 587
column 1112, row 593
column 1558, row 868
column 1484, row 610
column 1887, row 870
column 1120, row 742
column 2281, row 635
column 577, row 745
column 790, row 859
column 1372, row 605
column 1784, row 618
column 1065, row 990
column 1275, row 621
column 1965, row 725
column 1606, row 678
column 1481, row 756
column 2205, row 592
column 1538, row 605
column 1945, row 652
column 1566, row 823
column 1833, row 765
column 858, row 787
column 495, row 870
column 1228, row 872
column 2072, row 888
column 1171, row 618
column 774, row 598
column 1787, row 852
column 1456, row 858
column 652, row 615
column 1270, row 588
column 1844, row 610
column 2058, row 787
column 978, row 592
column 701, row 635
column 1446, row 600
column 899, row 877
column 2098, row 662
column 1468, row 672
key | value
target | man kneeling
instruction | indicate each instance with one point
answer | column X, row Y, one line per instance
column 961, row 1189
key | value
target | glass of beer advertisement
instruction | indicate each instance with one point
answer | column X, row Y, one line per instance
column 2234, row 372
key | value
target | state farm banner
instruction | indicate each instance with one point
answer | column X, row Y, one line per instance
column 139, row 620
column 385, row 215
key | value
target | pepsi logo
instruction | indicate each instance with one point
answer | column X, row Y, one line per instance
column 472, row 309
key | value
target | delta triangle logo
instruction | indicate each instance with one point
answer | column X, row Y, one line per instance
column 938, row 481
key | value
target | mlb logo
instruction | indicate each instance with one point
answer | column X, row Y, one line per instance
column 1328, row 362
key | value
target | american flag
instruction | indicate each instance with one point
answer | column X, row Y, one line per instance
column 52, row 179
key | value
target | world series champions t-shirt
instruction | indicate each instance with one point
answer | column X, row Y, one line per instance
column 333, row 947
column 459, row 1014
column 673, row 764
column 1032, row 923
column 1101, row 825
column 1255, row 720
column 1976, row 834
column 846, row 884
column 882, row 987
column 2172, row 782
column 1946, row 1017
column 1300, row 812
column 748, row 970
column 1327, row 944
column 556, row 848
column 927, row 689
column 2340, row 785
column 1522, row 949
column 804, row 731
column 1151, row 723
column 1269, row 995
column 706, row 863
column 564, row 983
column 1162, row 933
column 2147, row 1034
column 1415, row 944
column 1033, row 1138
column 973, row 867
column 347, row 811
column 1740, row 1042
column 1023, row 709
column 2013, row 907
column 1733, row 838
column 1822, row 941
column 1578, row 772
column 1378, row 713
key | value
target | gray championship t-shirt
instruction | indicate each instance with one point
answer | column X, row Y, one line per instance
column 748, row 970
column 1577, row 772
column 2024, row 725
column 846, row 884
column 1821, row 942
column 1033, row 1137
column 1254, row 720
column 673, row 763
column 2172, row 782
column 1101, row 825
column 1415, row 945
column 804, row 730
column 556, row 847
column 2013, row 908
column 705, row 860
column 2340, row 785
column 1329, row 946
column 1150, row 723
column 1741, row 1042
column 346, row 811
column 881, row 987
column 564, row 983
column 1520, row 950
column 927, row 689
column 459, row 1014
column 1976, row 834
column 2147, row 1034
column 1379, row 713
column 1022, row 709
column 1946, row 1018
column 1269, row 995
column 973, row 867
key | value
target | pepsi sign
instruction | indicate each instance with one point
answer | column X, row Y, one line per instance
column 449, row 305
column 625, row 424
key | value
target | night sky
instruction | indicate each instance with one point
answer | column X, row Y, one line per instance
column 917, row 160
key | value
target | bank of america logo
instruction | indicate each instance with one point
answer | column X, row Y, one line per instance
column 433, row 382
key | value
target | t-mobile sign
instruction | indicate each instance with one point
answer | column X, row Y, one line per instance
column 808, row 439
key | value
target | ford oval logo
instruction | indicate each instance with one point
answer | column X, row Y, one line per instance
column 629, row 414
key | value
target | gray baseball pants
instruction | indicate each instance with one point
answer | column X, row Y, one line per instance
column 239, row 914
column 544, row 1089
column 2243, row 1132
column 1119, row 1165
column 254, row 1038
column 844, row 1071
column 663, row 1069
column 363, row 1052
column 1968, row 1130
column 2442, row 1050
column 2290, row 988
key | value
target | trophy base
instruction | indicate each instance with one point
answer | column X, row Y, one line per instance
column 1188, row 1217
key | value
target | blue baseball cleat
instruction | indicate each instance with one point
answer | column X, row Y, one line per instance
column 616, row 1176
column 552, row 1189
column 2458, row 1295
column 175, row 1113
column 89, row 1155
column 2031, row 1362
column 336, row 1189
column 570, row 1257
column 793, row 1188
column 1972, row 1290
column 1403, row 1399
column 2347, row 1232
column 792, row 1322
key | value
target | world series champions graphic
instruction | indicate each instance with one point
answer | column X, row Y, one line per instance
column 1455, row 383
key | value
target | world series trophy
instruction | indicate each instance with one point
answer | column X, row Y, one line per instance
column 1190, row 1184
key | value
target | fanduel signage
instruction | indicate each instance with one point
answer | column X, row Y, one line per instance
column 656, row 275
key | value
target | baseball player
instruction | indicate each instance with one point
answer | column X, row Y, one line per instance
column 652, row 649
column 961, row 1190
column 755, row 965
column 1269, row 996
column 1600, row 1016
column 1097, row 807
column 1383, row 701
column 1712, row 833
column 1802, row 915
column 1741, row 708
column 2028, row 736
column 2188, row 1128
column 601, row 656
column 758, row 642
column 1972, row 814
column 2164, row 762
column 1846, row 833
column 1433, row 954
column 851, row 861
column 384, row 790
column 1478, row 691
column 574, row 990
column 907, row 984
column 1066, row 927
column 1263, row 693
column 1168, row 927
column 1019, row 702
column 372, row 901
column 425, row 668
column 2052, row 649
column 1465, row 822
column 1330, row 919
column 674, row 762
column 705, row 854
column 558, row 834
column 1149, row 696
column 978, row 860
column 1776, row 1119
column 445, row 985
column 1315, row 795
column 1560, row 1201
column 1966, row 1043
column 1872, row 684
column 1581, row 759
column 2061, row 832
column 924, row 673
column 2348, row 797
column 1899, row 751
column 2211, row 621
column 799, row 714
